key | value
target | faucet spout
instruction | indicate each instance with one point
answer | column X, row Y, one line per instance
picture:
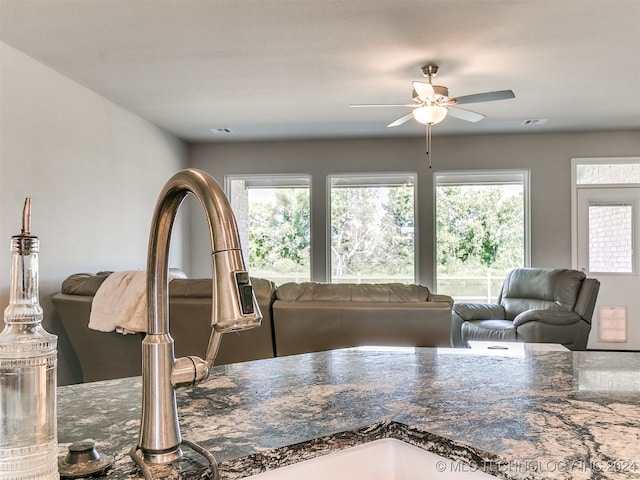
column 234, row 308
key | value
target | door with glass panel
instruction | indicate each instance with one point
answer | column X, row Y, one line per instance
column 607, row 236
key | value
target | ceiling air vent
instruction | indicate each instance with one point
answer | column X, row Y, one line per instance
column 534, row 121
column 221, row 131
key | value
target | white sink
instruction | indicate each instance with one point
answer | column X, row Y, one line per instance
column 386, row 459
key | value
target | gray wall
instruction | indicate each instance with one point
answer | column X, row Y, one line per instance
column 548, row 156
column 93, row 171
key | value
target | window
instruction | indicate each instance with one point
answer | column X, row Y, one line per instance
column 481, row 231
column 611, row 238
column 615, row 172
column 273, row 215
column 372, row 224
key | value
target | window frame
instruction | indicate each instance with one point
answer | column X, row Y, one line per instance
column 374, row 179
column 275, row 180
column 576, row 162
column 484, row 177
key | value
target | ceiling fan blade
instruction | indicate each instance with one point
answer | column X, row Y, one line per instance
column 424, row 90
column 483, row 97
column 367, row 105
column 467, row 115
column 401, row 120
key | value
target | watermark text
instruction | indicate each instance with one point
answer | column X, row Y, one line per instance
column 542, row 466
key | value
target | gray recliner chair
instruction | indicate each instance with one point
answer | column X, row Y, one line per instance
column 535, row 305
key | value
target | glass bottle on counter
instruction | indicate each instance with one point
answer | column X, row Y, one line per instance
column 28, row 366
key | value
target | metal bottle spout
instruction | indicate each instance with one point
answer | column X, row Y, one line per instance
column 234, row 308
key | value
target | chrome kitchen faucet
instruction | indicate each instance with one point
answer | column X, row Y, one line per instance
column 234, row 308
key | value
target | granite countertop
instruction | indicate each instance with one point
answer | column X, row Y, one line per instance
column 552, row 415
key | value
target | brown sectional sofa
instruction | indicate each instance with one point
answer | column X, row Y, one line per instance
column 310, row 317
column 297, row 318
column 105, row 355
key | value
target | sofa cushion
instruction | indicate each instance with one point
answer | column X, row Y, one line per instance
column 201, row 288
column 351, row 292
column 83, row 283
column 539, row 289
column 192, row 288
column 87, row 284
column 489, row 330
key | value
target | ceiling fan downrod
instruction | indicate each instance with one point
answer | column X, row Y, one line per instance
column 429, row 71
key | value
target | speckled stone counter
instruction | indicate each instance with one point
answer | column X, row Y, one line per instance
column 555, row 415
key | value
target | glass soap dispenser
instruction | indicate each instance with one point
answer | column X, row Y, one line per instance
column 28, row 365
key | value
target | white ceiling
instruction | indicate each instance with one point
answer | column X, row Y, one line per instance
column 286, row 69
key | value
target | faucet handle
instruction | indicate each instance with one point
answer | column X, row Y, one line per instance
column 188, row 371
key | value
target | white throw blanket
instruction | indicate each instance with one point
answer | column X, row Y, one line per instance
column 120, row 303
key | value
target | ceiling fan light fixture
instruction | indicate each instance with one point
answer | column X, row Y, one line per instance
column 430, row 114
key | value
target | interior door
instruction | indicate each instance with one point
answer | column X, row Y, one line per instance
column 607, row 236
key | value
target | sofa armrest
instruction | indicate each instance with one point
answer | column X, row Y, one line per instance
column 434, row 297
column 463, row 312
column 548, row 317
column 479, row 311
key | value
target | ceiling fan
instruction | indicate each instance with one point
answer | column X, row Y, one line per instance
column 431, row 104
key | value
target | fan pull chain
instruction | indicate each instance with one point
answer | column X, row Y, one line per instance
column 429, row 144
